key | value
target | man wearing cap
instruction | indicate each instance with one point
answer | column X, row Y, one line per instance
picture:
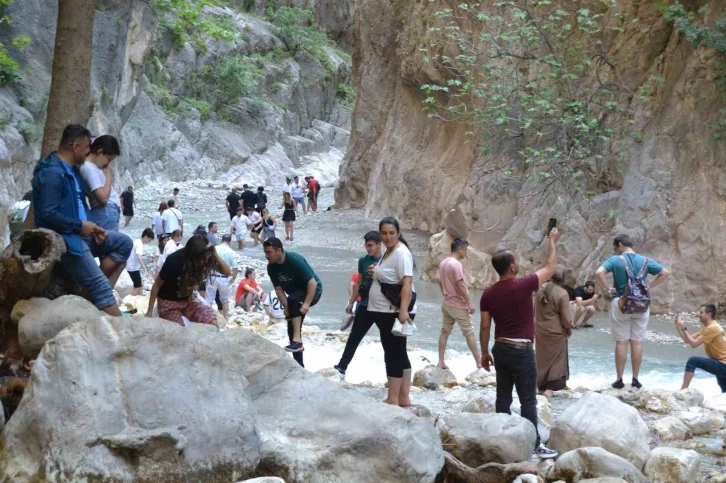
column 296, row 285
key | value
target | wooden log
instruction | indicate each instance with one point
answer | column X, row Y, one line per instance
column 28, row 268
column 457, row 472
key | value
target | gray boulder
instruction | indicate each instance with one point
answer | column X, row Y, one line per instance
column 673, row 465
column 120, row 399
column 431, row 373
column 482, row 378
column 44, row 320
column 599, row 420
column 701, row 420
column 476, row 439
column 689, row 397
column 717, row 403
column 23, row 307
column 480, row 404
column 671, row 428
column 594, row 462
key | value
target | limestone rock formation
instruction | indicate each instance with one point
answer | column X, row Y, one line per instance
column 671, row 428
column 294, row 121
column 673, row 465
column 594, row 462
column 598, row 420
column 402, row 163
column 476, row 439
column 221, row 406
column 483, row 378
column 479, row 404
column 701, row 420
column 717, row 403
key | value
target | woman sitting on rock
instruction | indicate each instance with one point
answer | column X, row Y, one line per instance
column 391, row 305
column 552, row 330
column 180, row 276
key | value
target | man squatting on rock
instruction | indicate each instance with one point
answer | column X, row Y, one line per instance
column 296, row 285
column 713, row 338
column 628, row 328
column 509, row 303
column 60, row 205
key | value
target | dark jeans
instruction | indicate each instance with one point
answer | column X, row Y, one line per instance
column 712, row 366
column 294, row 302
column 516, row 368
column 361, row 325
column 394, row 347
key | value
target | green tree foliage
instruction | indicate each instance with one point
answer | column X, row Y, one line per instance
column 697, row 34
column 183, row 19
column 8, row 65
column 226, row 82
column 534, row 77
column 295, row 27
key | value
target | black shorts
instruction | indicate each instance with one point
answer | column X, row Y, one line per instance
column 136, row 278
column 128, row 211
column 295, row 300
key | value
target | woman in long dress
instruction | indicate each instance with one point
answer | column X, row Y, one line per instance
column 552, row 330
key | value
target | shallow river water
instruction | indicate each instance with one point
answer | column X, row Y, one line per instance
column 332, row 242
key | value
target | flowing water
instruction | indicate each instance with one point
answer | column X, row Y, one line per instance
column 332, row 242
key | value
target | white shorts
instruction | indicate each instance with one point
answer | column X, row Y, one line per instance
column 627, row 326
column 240, row 236
column 214, row 285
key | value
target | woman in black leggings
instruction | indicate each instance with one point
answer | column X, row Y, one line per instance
column 395, row 268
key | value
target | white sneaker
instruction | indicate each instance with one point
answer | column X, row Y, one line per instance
column 397, row 329
column 409, row 329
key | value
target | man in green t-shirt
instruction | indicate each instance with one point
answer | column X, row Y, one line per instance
column 296, row 285
column 362, row 322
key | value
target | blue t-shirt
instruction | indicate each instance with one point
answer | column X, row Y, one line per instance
column 620, row 276
column 79, row 192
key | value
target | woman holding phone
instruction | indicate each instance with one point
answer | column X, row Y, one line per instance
column 393, row 279
column 180, row 276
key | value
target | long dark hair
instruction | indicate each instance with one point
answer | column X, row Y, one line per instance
column 197, row 264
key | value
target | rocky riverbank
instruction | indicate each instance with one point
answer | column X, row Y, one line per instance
column 150, row 410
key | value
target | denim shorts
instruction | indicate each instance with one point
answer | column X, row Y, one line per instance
column 88, row 274
column 106, row 216
column 299, row 200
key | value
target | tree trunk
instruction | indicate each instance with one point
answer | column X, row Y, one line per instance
column 69, row 101
column 28, row 269
column 455, row 471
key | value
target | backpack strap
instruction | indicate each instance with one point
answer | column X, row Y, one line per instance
column 643, row 270
column 628, row 266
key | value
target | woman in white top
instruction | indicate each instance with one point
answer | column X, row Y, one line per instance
column 98, row 183
column 170, row 246
column 395, row 271
column 158, row 222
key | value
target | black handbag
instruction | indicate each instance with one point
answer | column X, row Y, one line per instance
column 392, row 291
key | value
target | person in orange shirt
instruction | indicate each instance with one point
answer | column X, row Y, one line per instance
column 249, row 291
column 713, row 338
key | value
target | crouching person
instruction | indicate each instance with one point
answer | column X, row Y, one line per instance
column 60, row 205
column 713, row 338
column 180, row 276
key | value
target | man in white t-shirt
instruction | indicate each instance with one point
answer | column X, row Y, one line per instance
column 240, row 225
column 298, row 194
column 135, row 263
column 172, row 218
column 273, row 308
column 220, row 283
column 175, row 196
column 171, row 245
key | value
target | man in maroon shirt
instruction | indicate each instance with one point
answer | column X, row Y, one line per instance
column 509, row 303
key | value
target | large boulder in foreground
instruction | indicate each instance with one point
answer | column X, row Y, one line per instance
column 130, row 400
column 479, row 438
column 673, row 465
column 600, row 420
column 48, row 318
column 594, row 462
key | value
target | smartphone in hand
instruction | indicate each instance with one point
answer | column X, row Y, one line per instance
column 552, row 224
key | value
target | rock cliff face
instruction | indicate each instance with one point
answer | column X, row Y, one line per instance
column 668, row 195
column 293, row 118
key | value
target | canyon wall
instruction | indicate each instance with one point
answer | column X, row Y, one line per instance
column 668, row 193
column 292, row 122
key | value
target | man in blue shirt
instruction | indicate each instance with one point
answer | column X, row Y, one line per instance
column 627, row 328
column 59, row 205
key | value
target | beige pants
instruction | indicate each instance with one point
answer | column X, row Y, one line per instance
column 456, row 315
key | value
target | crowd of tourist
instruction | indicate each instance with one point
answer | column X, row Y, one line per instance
column 72, row 194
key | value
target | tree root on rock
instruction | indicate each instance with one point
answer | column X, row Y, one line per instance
column 457, row 472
